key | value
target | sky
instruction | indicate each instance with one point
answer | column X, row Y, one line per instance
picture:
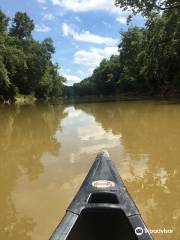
column 84, row 31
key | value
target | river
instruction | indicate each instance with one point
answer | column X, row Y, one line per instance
column 46, row 151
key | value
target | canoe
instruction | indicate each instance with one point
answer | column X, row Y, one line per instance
column 102, row 209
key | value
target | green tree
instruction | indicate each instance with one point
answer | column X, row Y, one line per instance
column 149, row 57
column 3, row 22
column 10, row 63
column 104, row 80
column 22, row 26
column 131, row 51
column 25, row 64
column 147, row 6
column 51, row 84
column 4, row 79
column 48, row 47
column 161, row 65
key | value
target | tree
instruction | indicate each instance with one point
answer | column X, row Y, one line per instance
column 22, row 26
column 4, row 79
column 10, row 63
column 104, row 80
column 161, row 66
column 147, row 6
column 7, row 89
column 149, row 57
column 25, row 64
column 131, row 51
column 51, row 84
column 3, row 22
column 47, row 46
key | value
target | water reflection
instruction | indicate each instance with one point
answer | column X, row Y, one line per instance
column 25, row 133
column 84, row 137
column 47, row 150
column 150, row 162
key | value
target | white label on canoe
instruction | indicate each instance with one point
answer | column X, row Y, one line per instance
column 103, row 184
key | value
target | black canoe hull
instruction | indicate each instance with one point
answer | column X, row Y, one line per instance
column 102, row 209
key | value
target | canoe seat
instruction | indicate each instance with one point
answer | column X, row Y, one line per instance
column 103, row 197
column 102, row 224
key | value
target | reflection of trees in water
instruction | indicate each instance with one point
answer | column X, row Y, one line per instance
column 150, row 129
column 11, row 226
column 25, row 134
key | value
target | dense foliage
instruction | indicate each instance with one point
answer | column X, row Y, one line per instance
column 146, row 7
column 149, row 58
column 25, row 64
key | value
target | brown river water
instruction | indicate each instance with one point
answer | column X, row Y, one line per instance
column 47, row 150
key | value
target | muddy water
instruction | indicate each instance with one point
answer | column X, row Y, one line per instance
column 46, row 151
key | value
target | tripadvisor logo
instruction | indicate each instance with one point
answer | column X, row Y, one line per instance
column 139, row 231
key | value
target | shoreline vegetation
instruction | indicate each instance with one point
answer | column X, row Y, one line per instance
column 147, row 66
column 31, row 100
column 26, row 65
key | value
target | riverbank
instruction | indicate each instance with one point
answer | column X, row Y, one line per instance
column 25, row 99
column 94, row 99
column 19, row 99
column 30, row 99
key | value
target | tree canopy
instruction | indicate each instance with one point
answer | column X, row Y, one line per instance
column 147, row 6
column 3, row 22
column 149, row 57
column 25, row 64
column 22, row 26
